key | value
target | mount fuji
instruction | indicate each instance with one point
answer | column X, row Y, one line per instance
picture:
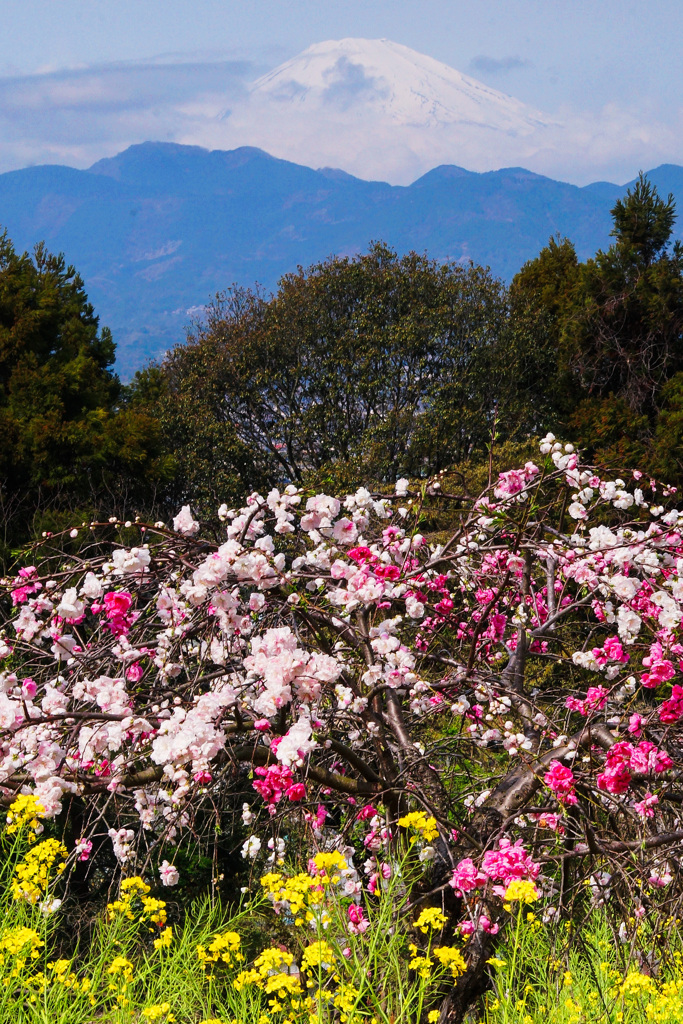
column 377, row 109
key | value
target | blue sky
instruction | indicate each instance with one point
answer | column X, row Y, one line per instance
column 83, row 79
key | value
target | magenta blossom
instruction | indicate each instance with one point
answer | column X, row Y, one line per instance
column 358, row 924
column 466, row 876
column 561, row 781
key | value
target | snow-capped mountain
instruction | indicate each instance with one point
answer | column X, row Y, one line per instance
column 378, row 109
column 403, row 86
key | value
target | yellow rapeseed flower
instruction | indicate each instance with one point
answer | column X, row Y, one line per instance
column 134, row 902
column 327, row 864
column 123, row 966
column 420, row 963
column 16, row 941
column 165, row 939
column 418, row 821
column 159, row 1011
column 32, row 874
column 225, row 947
column 430, row 918
column 450, row 957
column 318, row 954
column 521, row 891
column 24, row 811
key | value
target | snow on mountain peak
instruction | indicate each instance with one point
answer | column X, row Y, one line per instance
column 404, row 86
column 378, row 109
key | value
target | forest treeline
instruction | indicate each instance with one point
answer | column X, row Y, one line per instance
column 372, row 367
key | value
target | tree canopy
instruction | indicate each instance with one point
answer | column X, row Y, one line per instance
column 63, row 434
column 614, row 325
column 386, row 362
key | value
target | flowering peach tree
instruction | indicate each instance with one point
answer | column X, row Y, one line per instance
column 492, row 683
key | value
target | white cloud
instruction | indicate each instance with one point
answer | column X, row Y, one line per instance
column 357, row 122
column 79, row 115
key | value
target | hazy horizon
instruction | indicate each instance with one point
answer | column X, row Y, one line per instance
column 80, row 81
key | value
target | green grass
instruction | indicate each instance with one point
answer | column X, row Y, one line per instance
column 240, row 964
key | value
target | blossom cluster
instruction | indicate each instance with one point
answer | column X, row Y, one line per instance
column 320, row 646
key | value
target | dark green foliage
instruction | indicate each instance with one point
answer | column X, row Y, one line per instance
column 369, row 367
column 365, row 368
column 624, row 321
column 64, row 441
column 608, row 337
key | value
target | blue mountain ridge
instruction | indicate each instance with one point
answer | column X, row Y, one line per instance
column 158, row 229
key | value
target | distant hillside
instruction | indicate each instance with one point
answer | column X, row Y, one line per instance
column 157, row 230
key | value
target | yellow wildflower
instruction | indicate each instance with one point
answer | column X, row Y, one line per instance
column 153, row 910
column 158, row 1011
column 32, row 875
column 224, row 947
column 345, row 999
column 20, row 941
column 418, row 821
column 430, row 917
column 327, row 864
column 165, row 939
column 521, row 891
column 120, row 965
column 450, row 957
column 419, row 963
column 134, row 903
column 300, row 892
column 318, row 954
column 24, row 811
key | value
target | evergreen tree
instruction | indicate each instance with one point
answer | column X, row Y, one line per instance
column 622, row 328
column 64, row 440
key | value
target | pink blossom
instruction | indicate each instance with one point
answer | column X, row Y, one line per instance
column 596, row 697
column 574, row 704
column 644, row 807
column 276, row 779
column 117, row 602
column 358, row 924
column 549, row 820
column 316, row 821
column 672, row 709
column 595, row 700
column 509, row 861
column 661, row 669
column 467, row 876
column 296, row 792
column 646, row 758
column 83, row 848
column 184, row 523
column 169, row 874
column 635, row 724
column 361, row 555
column 614, row 650
column 614, row 779
column 561, row 781
column 28, row 689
